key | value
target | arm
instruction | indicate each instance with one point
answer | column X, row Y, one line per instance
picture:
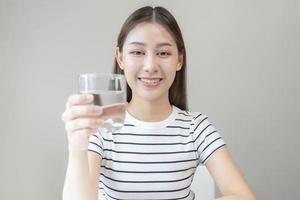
column 81, row 181
column 228, row 177
column 81, row 120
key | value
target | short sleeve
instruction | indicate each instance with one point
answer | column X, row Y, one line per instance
column 96, row 144
column 207, row 140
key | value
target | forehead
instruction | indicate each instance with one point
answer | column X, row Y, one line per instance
column 150, row 34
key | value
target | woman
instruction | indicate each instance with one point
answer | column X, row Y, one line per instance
column 155, row 155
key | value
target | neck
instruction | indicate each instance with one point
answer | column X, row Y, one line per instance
column 150, row 111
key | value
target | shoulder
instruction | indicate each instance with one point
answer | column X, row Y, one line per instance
column 199, row 123
column 194, row 117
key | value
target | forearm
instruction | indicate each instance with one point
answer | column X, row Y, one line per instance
column 78, row 184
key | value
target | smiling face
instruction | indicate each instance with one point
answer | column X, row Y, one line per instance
column 150, row 60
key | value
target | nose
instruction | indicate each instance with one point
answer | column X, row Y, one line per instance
column 150, row 64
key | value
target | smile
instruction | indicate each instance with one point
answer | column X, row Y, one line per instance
column 150, row 82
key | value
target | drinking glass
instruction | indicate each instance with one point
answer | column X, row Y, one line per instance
column 109, row 91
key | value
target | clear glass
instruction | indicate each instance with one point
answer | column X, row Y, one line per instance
column 109, row 91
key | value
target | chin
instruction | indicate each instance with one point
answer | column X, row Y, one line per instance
column 152, row 97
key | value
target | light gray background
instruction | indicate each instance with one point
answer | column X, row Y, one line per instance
column 243, row 72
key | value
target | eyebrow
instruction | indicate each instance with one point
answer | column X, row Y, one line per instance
column 144, row 44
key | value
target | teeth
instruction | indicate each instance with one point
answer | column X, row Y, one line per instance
column 152, row 81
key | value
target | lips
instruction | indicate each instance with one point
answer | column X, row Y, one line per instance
column 150, row 82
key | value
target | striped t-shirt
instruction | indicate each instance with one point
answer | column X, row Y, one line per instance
column 146, row 160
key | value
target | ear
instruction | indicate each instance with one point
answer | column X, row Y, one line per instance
column 118, row 56
column 180, row 62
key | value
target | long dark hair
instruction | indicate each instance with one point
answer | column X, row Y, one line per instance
column 160, row 15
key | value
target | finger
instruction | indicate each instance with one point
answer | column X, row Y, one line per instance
column 83, row 123
column 86, row 111
column 78, row 99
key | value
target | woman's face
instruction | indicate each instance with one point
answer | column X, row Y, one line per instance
column 150, row 60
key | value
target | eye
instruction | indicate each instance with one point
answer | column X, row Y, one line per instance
column 163, row 54
column 137, row 53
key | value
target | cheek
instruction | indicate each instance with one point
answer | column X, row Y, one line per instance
column 131, row 66
column 129, row 61
column 130, row 75
column 172, row 77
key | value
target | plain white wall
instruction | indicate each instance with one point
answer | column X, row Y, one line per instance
column 243, row 73
column 203, row 184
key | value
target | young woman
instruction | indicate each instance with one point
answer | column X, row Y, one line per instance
column 155, row 154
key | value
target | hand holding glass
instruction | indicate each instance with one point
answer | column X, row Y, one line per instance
column 109, row 91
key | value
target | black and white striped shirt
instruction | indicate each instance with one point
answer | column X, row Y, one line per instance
column 157, row 160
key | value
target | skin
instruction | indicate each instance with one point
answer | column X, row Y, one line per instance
column 149, row 52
